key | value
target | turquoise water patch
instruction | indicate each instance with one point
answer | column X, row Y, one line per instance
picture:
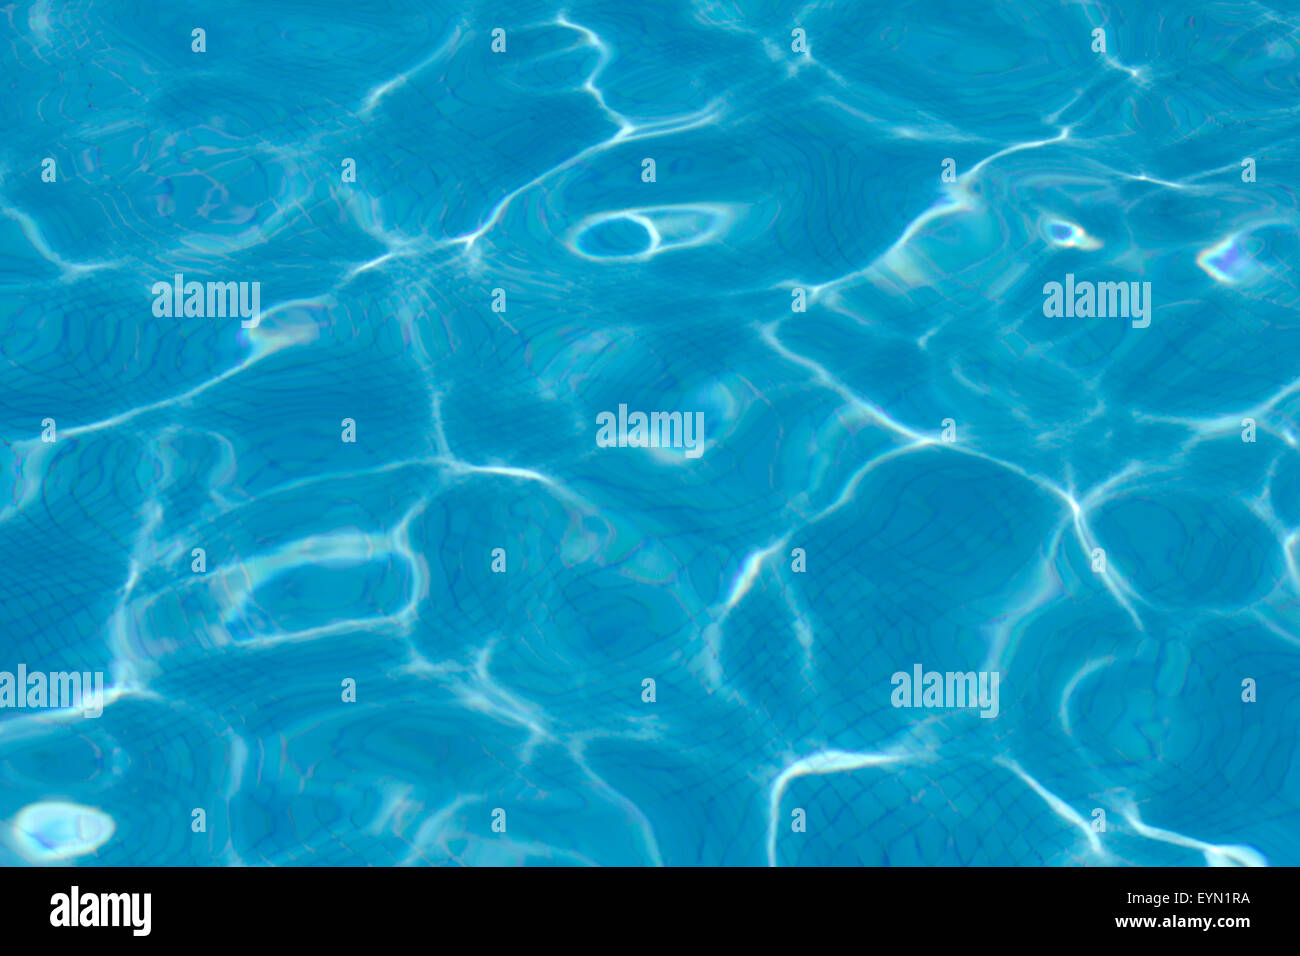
column 416, row 566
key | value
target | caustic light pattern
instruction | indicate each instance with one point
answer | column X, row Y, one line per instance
column 682, row 433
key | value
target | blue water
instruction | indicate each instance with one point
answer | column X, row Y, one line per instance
column 921, row 467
